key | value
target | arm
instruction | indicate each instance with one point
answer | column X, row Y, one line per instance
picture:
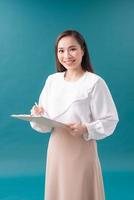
column 104, row 113
column 41, row 109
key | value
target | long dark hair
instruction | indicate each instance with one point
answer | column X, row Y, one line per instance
column 86, row 63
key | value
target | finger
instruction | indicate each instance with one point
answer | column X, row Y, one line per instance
column 70, row 126
column 72, row 133
column 75, row 134
column 37, row 110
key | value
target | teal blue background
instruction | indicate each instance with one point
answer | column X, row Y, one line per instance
column 28, row 30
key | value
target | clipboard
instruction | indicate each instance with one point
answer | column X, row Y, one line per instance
column 40, row 120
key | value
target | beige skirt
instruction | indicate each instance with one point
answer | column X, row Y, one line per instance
column 73, row 170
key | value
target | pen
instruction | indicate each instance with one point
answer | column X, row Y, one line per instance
column 36, row 104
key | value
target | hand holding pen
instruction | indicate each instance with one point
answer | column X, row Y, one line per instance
column 37, row 110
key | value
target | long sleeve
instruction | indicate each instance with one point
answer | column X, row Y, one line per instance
column 103, row 111
column 43, row 101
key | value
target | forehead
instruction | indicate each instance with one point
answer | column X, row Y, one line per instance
column 67, row 41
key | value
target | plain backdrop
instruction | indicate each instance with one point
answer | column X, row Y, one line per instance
column 28, row 30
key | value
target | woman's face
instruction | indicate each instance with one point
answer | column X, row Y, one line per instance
column 69, row 53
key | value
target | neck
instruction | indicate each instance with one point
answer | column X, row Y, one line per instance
column 73, row 74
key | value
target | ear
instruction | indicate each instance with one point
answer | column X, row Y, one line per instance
column 83, row 51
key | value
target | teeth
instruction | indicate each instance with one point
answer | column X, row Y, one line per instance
column 69, row 61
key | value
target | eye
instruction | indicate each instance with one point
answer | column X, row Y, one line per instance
column 60, row 51
column 72, row 49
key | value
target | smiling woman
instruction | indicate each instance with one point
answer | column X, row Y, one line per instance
column 71, row 46
column 70, row 53
column 80, row 99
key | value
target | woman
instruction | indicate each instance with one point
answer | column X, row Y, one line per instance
column 81, row 99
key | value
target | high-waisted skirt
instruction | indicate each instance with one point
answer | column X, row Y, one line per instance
column 73, row 170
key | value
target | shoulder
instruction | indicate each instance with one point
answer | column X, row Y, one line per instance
column 98, row 83
column 55, row 76
column 51, row 80
column 94, row 79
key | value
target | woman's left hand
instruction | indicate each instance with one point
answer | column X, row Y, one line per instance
column 77, row 129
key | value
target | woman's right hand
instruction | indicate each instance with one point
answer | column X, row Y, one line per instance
column 37, row 111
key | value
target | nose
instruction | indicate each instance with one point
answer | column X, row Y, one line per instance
column 67, row 54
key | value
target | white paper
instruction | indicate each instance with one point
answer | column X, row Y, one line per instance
column 40, row 120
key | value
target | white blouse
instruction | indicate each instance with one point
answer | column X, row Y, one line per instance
column 87, row 101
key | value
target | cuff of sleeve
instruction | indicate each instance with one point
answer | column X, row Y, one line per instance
column 93, row 129
column 86, row 136
column 40, row 128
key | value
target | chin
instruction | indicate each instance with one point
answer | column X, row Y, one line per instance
column 70, row 67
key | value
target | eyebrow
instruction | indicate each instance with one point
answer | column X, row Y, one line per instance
column 69, row 47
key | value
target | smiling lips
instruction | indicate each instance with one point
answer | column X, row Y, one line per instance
column 69, row 61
